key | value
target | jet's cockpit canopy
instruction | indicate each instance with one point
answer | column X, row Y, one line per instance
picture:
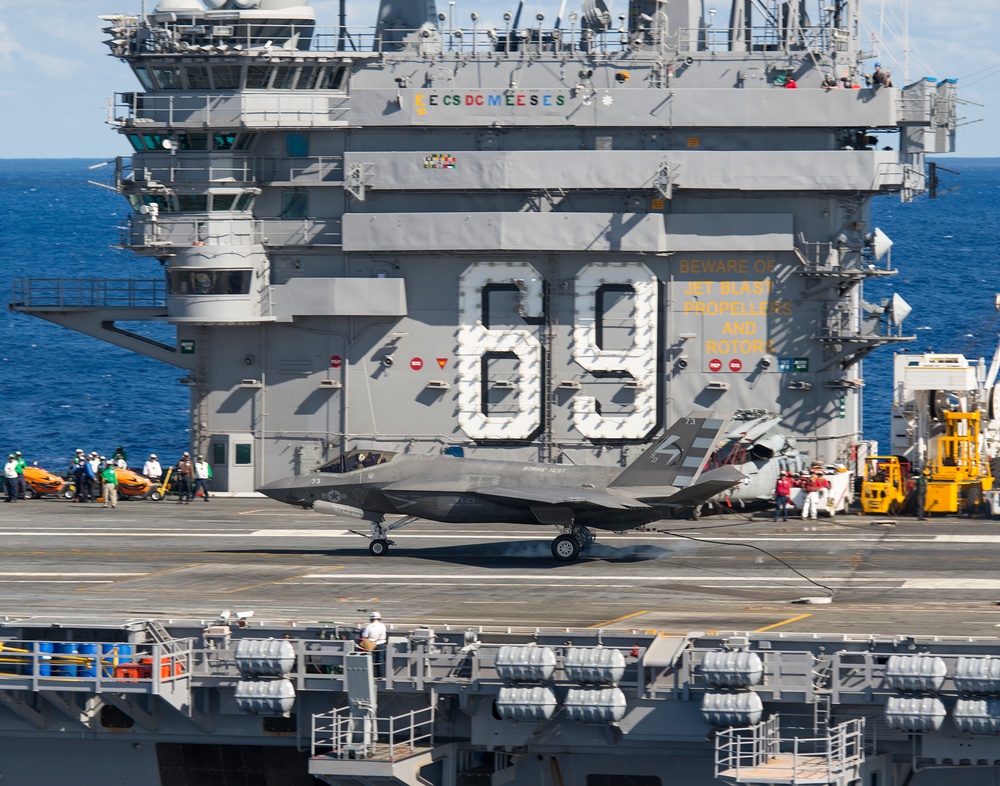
column 354, row 460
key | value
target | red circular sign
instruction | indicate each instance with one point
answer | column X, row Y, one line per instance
column 336, row 361
column 735, row 364
column 715, row 365
column 416, row 364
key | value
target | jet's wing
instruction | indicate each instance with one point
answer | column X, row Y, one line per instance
column 564, row 496
column 546, row 495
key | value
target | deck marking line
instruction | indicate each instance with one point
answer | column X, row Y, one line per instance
column 619, row 619
column 276, row 581
column 783, row 622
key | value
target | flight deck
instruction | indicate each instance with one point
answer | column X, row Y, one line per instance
column 888, row 576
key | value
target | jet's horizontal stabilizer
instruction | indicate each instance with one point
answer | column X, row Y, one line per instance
column 678, row 457
column 711, row 483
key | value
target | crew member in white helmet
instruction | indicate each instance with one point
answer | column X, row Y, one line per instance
column 375, row 631
column 152, row 469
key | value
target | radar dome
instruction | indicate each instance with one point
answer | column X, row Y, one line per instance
column 213, row 4
column 246, row 3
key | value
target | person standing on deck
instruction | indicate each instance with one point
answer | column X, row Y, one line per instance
column 782, row 490
column 185, row 476
column 109, row 485
column 375, row 632
column 202, row 476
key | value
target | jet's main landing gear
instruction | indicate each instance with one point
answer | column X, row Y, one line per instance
column 567, row 547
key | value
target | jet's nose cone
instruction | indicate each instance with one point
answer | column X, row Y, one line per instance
column 282, row 491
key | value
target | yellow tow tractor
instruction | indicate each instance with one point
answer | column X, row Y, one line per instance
column 885, row 485
column 958, row 474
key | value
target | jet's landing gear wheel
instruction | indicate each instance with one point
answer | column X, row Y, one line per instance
column 378, row 547
column 585, row 537
column 565, row 548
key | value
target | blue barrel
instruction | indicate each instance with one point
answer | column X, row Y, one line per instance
column 66, row 668
column 88, row 668
column 112, row 655
column 45, row 649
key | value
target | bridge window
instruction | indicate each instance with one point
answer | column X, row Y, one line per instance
column 223, row 201
column 197, row 141
column 258, row 77
column 307, row 76
column 192, row 203
column 245, row 202
column 197, row 77
column 223, row 141
column 209, row 282
column 167, row 77
column 226, row 77
column 142, row 74
column 284, row 78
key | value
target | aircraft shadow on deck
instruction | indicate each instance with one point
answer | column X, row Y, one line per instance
column 530, row 553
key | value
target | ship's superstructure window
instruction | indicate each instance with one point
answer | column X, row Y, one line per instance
column 296, row 145
column 209, row 282
column 166, row 77
column 142, row 74
column 284, row 77
column 197, row 141
column 258, row 77
column 226, row 77
column 294, row 204
column 245, row 202
column 192, row 203
column 223, row 201
column 243, row 453
column 229, row 76
column 197, row 77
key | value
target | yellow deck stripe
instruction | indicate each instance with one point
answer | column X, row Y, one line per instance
column 619, row 619
column 783, row 622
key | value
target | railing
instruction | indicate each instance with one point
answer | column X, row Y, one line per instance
column 201, row 167
column 29, row 293
column 759, row 754
column 172, row 230
column 214, row 37
column 256, row 110
column 339, row 734
column 105, row 667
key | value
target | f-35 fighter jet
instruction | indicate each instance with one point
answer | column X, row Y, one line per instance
column 576, row 499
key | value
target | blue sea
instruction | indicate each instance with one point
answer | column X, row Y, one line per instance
column 60, row 390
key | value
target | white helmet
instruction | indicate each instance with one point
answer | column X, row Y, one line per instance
column 374, row 616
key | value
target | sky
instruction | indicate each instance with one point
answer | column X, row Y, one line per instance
column 56, row 76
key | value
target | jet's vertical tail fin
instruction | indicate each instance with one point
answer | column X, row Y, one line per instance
column 678, row 457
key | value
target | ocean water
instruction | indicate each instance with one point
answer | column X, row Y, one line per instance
column 60, row 390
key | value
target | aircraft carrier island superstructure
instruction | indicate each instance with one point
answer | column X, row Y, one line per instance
column 532, row 238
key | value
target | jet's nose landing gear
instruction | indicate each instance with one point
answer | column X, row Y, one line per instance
column 378, row 536
column 567, row 547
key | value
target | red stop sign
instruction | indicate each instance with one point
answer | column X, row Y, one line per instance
column 735, row 364
column 715, row 365
column 336, row 361
column 416, row 364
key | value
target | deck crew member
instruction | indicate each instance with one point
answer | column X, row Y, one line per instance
column 202, row 476
column 10, row 477
column 375, row 631
column 782, row 489
column 185, row 474
column 920, row 494
column 109, row 485
column 813, row 488
column 152, row 469
column 22, row 486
